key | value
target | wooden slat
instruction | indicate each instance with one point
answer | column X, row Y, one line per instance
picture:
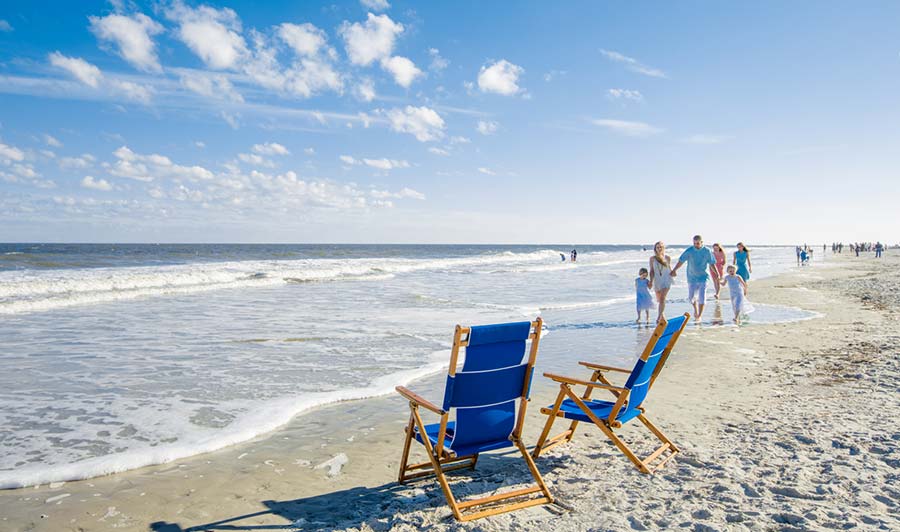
column 499, row 497
column 505, row 508
column 570, row 380
column 418, row 399
column 601, row 367
column 655, row 454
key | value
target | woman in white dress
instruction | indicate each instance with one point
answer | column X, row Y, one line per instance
column 660, row 276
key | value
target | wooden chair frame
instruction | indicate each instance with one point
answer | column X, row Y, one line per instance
column 442, row 460
column 599, row 380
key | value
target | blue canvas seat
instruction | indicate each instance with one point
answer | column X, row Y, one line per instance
column 488, row 397
column 626, row 405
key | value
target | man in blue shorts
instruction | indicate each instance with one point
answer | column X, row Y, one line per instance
column 699, row 259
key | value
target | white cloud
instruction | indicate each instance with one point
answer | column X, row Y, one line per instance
column 403, row 70
column 230, row 118
column 633, row 64
column 375, row 5
column 310, row 76
column 386, row 164
column 550, row 76
column 365, row 90
column 5, row 26
column 487, row 127
column 502, row 77
column 422, row 122
column 254, row 159
column 96, row 184
column 346, row 159
column 624, row 94
column 212, row 34
column 148, row 167
column 90, row 75
column 80, row 162
column 705, row 139
column 82, row 70
column 628, row 128
column 309, row 151
column 133, row 91
column 271, row 148
column 371, row 40
column 52, row 141
column 133, row 37
column 210, row 85
column 438, row 63
column 305, row 39
column 438, row 151
column 460, row 140
column 486, row 171
column 8, row 154
column 200, row 144
column 401, row 194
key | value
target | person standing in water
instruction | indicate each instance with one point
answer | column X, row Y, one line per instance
column 742, row 261
column 644, row 300
column 718, row 269
column 660, row 276
column 699, row 259
column 574, row 255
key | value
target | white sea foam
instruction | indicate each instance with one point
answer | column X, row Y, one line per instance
column 35, row 291
column 264, row 418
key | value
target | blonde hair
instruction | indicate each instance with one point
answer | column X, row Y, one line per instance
column 662, row 260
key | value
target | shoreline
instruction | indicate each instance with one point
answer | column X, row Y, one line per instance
column 360, row 444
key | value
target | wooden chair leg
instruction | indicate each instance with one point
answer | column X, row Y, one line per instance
column 534, row 470
column 624, row 448
column 436, row 464
column 404, row 459
column 549, row 424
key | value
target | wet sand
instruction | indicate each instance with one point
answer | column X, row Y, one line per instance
column 787, row 426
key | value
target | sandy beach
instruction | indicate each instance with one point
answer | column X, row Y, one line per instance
column 787, row 426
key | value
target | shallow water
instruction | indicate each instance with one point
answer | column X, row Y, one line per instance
column 119, row 359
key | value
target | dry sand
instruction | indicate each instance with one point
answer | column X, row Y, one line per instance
column 783, row 427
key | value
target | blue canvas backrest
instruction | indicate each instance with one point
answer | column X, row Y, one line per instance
column 642, row 374
column 492, row 379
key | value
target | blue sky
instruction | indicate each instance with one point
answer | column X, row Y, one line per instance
column 394, row 121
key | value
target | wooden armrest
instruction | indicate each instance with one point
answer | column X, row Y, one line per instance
column 419, row 400
column 569, row 380
column 603, row 368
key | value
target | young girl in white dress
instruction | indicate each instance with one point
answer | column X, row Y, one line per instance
column 643, row 297
column 738, row 290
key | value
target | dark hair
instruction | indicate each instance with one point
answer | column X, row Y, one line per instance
column 642, row 270
column 746, row 249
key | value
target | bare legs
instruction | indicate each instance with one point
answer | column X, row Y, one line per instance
column 661, row 299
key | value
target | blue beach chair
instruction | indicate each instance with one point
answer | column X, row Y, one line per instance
column 489, row 398
column 628, row 402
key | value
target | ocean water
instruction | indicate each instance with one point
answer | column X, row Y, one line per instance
column 121, row 356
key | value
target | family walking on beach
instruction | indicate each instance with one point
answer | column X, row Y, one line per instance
column 699, row 260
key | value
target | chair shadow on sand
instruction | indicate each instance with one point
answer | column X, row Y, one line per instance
column 354, row 506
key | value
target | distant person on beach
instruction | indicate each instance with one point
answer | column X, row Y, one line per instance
column 879, row 249
column 742, row 261
column 660, row 276
column 574, row 255
column 804, row 257
column 699, row 258
column 718, row 269
column 562, row 256
column 737, row 288
column 644, row 299
column 798, row 255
